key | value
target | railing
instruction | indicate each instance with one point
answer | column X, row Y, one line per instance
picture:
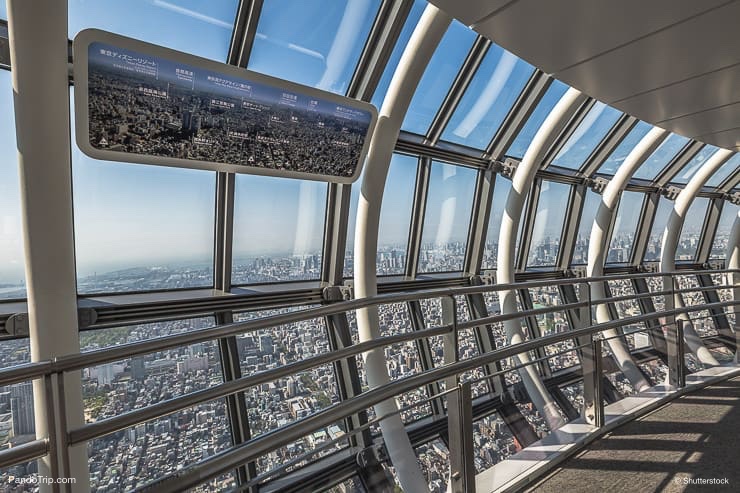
column 458, row 394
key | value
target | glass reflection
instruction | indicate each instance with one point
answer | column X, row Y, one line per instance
column 313, row 43
column 719, row 176
column 278, row 229
column 527, row 133
column 588, row 216
column 655, row 242
column 498, row 206
column 548, row 224
column 495, row 87
column 694, row 164
column 658, row 160
column 447, row 217
column 192, row 26
column 625, row 226
column 594, row 127
column 395, row 217
column 724, row 229
column 438, row 77
column 620, row 153
column 692, row 228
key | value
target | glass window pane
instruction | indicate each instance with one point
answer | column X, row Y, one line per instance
column 438, row 77
column 413, row 18
column 498, row 208
column 658, row 160
column 312, row 43
column 726, row 170
column 192, row 26
column 655, row 242
column 278, row 229
column 586, row 136
column 141, row 227
column 548, row 224
column 447, row 218
column 588, row 216
column 620, row 153
column 696, row 162
column 395, row 217
column 724, row 228
column 625, row 226
column 489, row 97
column 691, row 231
column 12, row 267
column 545, row 106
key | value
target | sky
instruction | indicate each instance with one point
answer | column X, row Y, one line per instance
column 127, row 215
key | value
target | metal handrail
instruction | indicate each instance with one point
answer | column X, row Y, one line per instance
column 253, row 449
column 89, row 431
column 123, row 351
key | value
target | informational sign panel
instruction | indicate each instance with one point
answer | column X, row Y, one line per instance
column 141, row 103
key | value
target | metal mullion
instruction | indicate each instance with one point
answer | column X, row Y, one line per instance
column 416, row 315
column 336, row 220
column 526, row 229
column 520, row 112
column 730, row 182
column 479, row 219
column 655, row 329
column 466, row 73
column 570, row 226
column 644, row 227
column 678, row 162
column 227, row 346
column 610, row 232
column 719, row 317
column 525, row 298
column 418, row 210
column 567, row 131
column 604, row 149
column 709, row 230
column 347, row 376
column 245, row 31
column 384, row 34
column 486, row 341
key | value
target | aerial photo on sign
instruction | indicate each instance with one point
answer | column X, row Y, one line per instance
column 144, row 105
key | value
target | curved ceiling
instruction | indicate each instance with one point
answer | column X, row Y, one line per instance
column 673, row 63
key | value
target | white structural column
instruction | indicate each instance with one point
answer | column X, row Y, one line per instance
column 521, row 185
column 427, row 35
column 598, row 247
column 670, row 244
column 733, row 262
column 38, row 51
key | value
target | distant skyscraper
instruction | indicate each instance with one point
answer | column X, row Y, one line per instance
column 21, row 405
column 138, row 372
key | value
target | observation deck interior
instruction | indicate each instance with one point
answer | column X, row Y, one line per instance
column 533, row 285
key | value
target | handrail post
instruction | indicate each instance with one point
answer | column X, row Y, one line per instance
column 451, row 352
column 593, row 390
column 460, row 431
column 676, row 352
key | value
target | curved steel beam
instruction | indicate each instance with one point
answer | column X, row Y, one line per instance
column 670, row 244
column 733, row 262
column 598, row 248
column 427, row 35
column 521, row 185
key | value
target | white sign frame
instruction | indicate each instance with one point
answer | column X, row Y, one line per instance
column 82, row 117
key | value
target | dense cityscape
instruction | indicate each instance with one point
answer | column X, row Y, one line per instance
column 127, row 459
column 220, row 121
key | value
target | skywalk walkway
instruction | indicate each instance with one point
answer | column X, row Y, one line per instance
column 690, row 444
